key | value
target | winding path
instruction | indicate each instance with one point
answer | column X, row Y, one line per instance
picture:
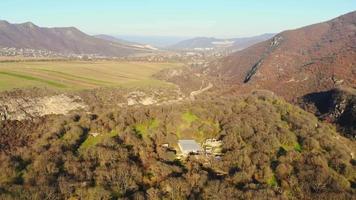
column 197, row 92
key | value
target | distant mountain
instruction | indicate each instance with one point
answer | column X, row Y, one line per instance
column 114, row 39
column 201, row 43
column 68, row 40
column 296, row 62
column 156, row 41
column 243, row 43
column 125, row 42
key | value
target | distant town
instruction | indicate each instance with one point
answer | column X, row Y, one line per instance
column 192, row 58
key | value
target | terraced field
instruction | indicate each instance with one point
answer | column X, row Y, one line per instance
column 76, row 75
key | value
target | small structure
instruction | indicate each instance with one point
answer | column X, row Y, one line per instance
column 94, row 134
column 189, row 146
column 212, row 147
column 165, row 145
column 213, row 142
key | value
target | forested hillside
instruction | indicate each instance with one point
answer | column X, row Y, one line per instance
column 271, row 149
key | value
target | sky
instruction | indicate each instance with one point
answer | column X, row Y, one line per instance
column 213, row 18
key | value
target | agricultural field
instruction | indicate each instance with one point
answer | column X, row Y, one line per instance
column 77, row 75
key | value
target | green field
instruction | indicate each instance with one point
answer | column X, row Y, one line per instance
column 76, row 75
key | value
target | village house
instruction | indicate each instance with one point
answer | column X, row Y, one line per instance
column 212, row 146
column 189, row 146
column 209, row 147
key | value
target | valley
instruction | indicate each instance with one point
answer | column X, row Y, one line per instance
column 93, row 116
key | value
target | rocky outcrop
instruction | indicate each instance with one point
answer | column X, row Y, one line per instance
column 336, row 106
column 253, row 71
column 28, row 108
column 275, row 42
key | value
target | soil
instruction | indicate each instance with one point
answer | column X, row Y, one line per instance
column 27, row 107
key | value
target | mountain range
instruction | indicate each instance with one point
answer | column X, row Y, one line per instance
column 215, row 43
column 220, row 134
column 159, row 41
column 125, row 42
column 67, row 40
column 70, row 40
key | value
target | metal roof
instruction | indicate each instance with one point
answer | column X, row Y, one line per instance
column 189, row 145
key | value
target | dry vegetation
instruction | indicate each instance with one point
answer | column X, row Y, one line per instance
column 272, row 150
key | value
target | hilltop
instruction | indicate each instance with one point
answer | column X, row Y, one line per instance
column 271, row 150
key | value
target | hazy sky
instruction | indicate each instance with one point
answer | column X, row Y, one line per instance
column 221, row 18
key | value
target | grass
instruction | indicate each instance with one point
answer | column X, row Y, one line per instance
column 143, row 128
column 189, row 117
column 92, row 141
column 78, row 75
column 31, row 78
column 75, row 76
column 298, row 147
column 272, row 181
column 182, row 130
column 198, row 134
